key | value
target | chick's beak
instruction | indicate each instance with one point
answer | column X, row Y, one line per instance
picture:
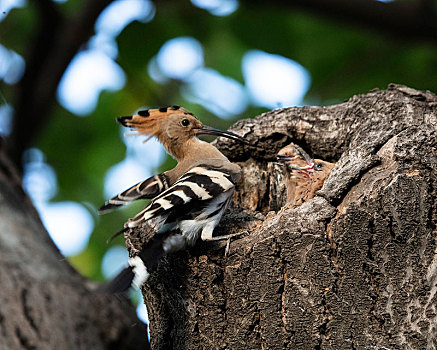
column 298, row 153
column 207, row 130
column 288, row 161
column 305, row 155
column 285, row 158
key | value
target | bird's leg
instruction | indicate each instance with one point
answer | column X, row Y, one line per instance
column 207, row 231
column 220, row 238
column 228, row 244
column 228, row 237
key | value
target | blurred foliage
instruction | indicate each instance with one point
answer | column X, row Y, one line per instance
column 343, row 60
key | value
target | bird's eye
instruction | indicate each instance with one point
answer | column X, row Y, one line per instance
column 318, row 166
column 185, row 122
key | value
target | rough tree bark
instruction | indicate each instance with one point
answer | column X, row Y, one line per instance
column 44, row 302
column 354, row 268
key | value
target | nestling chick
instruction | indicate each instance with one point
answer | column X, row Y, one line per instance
column 304, row 176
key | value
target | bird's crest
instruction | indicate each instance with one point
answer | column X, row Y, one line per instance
column 149, row 121
column 177, row 130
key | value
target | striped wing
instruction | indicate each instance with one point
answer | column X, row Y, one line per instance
column 146, row 189
column 190, row 195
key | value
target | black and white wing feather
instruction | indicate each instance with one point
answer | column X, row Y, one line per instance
column 146, row 189
column 197, row 200
column 191, row 207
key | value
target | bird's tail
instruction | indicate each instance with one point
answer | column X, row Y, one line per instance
column 139, row 267
column 120, row 283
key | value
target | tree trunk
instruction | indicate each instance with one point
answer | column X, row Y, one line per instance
column 353, row 268
column 44, row 302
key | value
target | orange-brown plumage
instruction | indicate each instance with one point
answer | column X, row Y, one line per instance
column 188, row 201
column 177, row 129
column 167, row 125
column 304, row 176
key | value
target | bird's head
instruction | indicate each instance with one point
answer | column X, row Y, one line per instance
column 172, row 126
column 304, row 175
column 299, row 163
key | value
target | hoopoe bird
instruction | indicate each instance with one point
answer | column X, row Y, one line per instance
column 304, row 176
column 188, row 201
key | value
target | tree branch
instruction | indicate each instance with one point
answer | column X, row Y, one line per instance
column 402, row 19
column 46, row 304
column 56, row 42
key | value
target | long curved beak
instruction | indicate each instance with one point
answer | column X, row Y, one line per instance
column 207, row 130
